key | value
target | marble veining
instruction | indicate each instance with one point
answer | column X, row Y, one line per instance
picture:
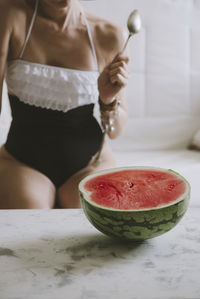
column 7, row 252
column 58, row 254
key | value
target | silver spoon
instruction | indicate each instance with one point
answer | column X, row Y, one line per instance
column 134, row 25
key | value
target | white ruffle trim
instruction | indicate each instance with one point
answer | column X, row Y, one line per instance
column 51, row 87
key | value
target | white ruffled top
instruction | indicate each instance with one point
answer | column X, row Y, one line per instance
column 51, row 87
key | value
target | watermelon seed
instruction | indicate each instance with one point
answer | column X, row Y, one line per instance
column 171, row 187
column 131, row 185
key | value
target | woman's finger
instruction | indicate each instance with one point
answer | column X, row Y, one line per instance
column 124, row 72
column 120, row 57
column 119, row 64
column 119, row 80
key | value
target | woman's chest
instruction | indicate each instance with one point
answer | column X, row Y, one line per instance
column 49, row 45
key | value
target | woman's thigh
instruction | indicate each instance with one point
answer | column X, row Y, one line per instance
column 22, row 187
column 67, row 194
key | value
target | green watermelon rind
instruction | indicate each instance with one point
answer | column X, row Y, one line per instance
column 135, row 224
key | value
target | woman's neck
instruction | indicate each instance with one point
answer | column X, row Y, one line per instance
column 64, row 16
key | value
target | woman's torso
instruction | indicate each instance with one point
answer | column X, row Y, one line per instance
column 53, row 104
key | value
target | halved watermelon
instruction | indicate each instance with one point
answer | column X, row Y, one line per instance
column 134, row 203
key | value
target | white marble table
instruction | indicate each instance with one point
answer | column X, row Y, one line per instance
column 58, row 254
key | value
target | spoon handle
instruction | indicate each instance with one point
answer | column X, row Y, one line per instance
column 126, row 43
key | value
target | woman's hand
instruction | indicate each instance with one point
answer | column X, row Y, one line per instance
column 113, row 78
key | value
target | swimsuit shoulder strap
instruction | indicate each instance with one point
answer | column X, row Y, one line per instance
column 91, row 40
column 30, row 29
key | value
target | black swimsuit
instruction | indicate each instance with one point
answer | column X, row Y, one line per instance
column 53, row 128
column 57, row 144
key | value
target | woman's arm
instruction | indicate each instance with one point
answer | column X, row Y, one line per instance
column 5, row 34
column 112, row 83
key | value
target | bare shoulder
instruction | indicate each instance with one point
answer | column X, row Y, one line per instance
column 10, row 10
column 109, row 37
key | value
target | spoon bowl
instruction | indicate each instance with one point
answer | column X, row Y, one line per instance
column 134, row 25
column 134, row 22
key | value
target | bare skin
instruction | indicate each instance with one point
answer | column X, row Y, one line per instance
column 55, row 41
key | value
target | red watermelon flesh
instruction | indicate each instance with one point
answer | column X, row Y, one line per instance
column 135, row 189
